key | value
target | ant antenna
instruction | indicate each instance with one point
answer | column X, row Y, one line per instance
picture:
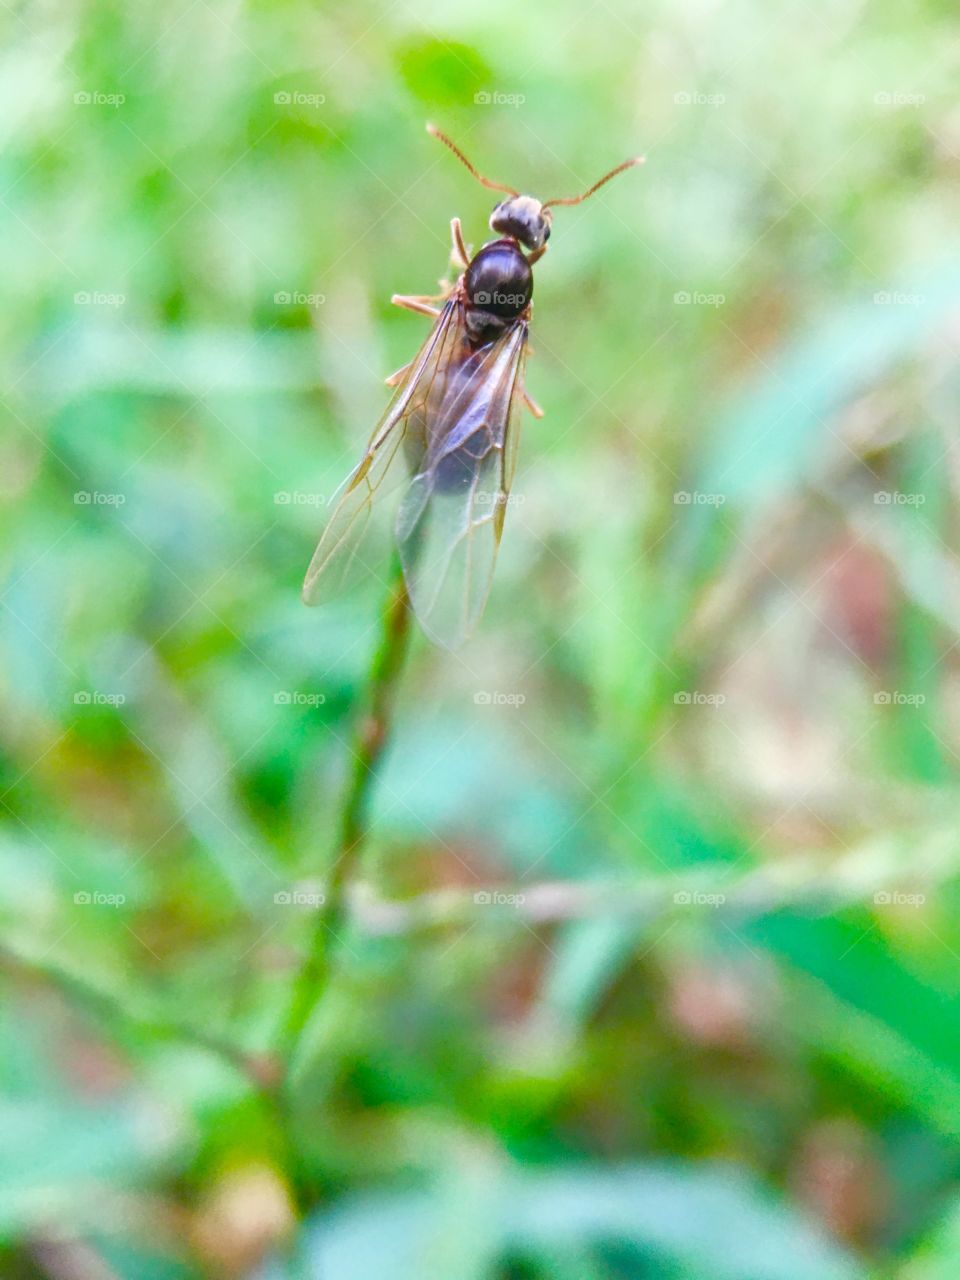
column 627, row 164
column 494, row 186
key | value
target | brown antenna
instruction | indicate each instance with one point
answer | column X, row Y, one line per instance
column 627, row 164
column 494, row 186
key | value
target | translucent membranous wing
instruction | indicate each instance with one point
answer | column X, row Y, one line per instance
column 349, row 545
column 451, row 517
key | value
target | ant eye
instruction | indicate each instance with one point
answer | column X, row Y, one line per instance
column 546, row 231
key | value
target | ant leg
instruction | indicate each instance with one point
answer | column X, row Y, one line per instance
column 536, row 255
column 459, row 254
column 398, row 375
column 531, row 404
column 416, row 302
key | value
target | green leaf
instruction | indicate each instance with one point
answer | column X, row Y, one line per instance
column 709, row 1219
column 52, row 1149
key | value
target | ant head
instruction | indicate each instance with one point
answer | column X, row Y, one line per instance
column 524, row 218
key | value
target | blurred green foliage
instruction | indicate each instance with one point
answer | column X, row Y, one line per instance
column 718, row 671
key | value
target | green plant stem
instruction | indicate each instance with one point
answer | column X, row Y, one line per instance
column 369, row 744
column 132, row 1012
column 117, row 1009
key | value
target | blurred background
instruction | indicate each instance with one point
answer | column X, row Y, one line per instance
column 654, row 970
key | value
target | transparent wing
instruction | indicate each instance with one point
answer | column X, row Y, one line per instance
column 349, row 545
column 451, row 518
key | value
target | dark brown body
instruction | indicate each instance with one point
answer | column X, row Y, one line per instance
column 454, row 419
column 498, row 286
